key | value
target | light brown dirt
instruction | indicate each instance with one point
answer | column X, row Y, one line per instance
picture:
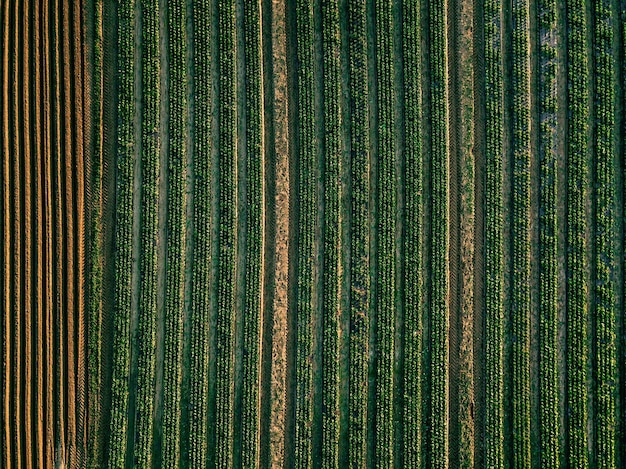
column 49, row 302
column 39, row 243
column 465, row 142
column 17, row 384
column 281, row 267
column 79, row 213
column 69, row 235
column 6, row 249
column 27, row 257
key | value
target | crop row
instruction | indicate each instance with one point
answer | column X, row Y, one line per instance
column 494, row 248
column 604, row 233
column 548, row 275
column 123, row 236
column 201, row 264
column 359, row 234
column 176, row 234
column 332, row 234
column 146, row 343
column 227, row 233
column 414, row 293
column 94, row 305
column 577, row 261
column 307, row 206
column 520, row 300
column 254, row 244
column 439, row 321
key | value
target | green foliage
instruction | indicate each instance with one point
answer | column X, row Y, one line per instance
column 359, row 234
column 414, row 291
column 227, row 235
column 201, row 266
column 332, row 235
column 307, row 206
column 150, row 146
column 494, row 249
column 254, row 248
column 123, row 237
column 520, row 300
column 548, row 275
column 176, row 234
column 605, row 194
column 439, row 173
column 577, row 261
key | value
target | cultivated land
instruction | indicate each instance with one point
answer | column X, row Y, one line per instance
column 312, row 233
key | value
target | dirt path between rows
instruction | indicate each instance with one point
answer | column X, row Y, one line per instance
column 277, row 231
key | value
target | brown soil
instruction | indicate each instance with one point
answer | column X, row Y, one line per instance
column 281, row 236
column 465, row 145
column 79, row 211
column 17, row 384
column 39, row 243
column 49, row 300
column 69, row 235
column 6, row 246
column 43, row 352
column 27, row 256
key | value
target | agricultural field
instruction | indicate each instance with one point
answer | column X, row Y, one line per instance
column 313, row 234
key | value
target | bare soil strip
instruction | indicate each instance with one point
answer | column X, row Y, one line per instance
column 49, row 381
column 27, row 255
column 38, row 173
column 16, row 156
column 68, row 226
column 5, row 443
column 79, row 216
column 281, row 231
column 463, row 135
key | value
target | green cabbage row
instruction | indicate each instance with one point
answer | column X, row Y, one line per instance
column 227, row 235
column 548, row 274
column 202, row 259
column 123, row 236
column 176, row 233
column 359, row 234
column 307, row 207
column 520, row 298
column 439, row 172
column 494, row 248
column 414, row 281
column 577, row 260
column 385, row 305
column 605, row 287
column 332, row 234
column 252, row 325
column 150, row 147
